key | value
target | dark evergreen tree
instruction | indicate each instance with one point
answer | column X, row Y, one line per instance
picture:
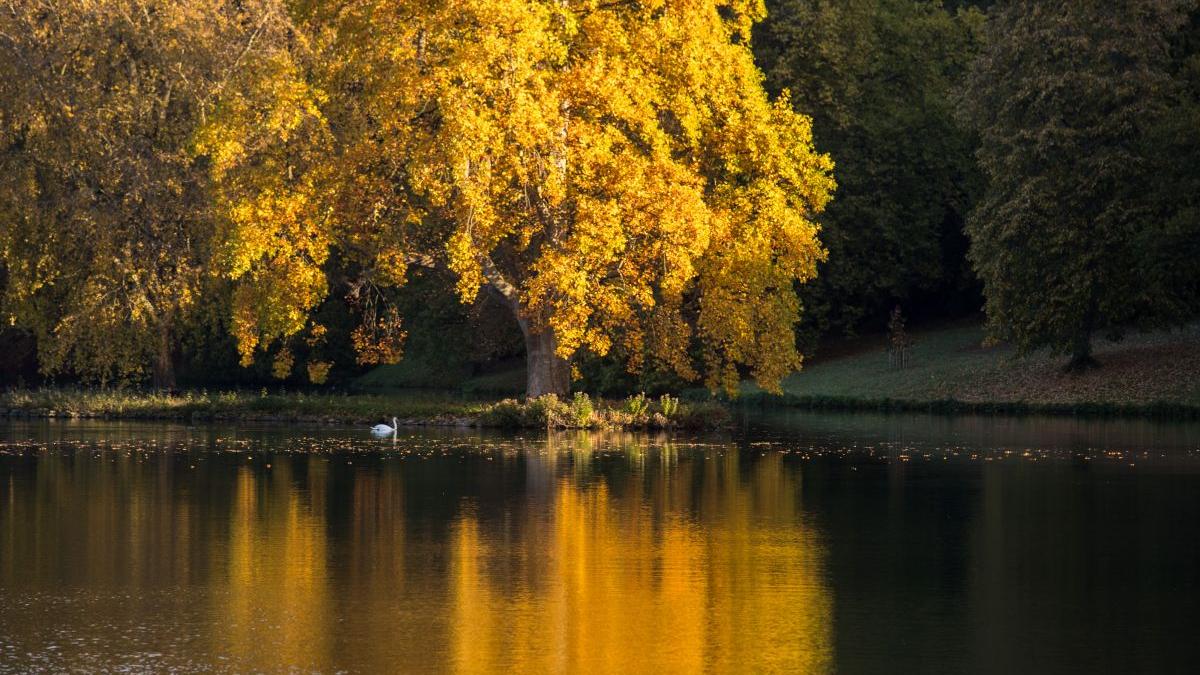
column 1174, row 249
column 1070, row 100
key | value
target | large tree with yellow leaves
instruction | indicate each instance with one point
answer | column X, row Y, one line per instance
column 613, row 171
column 105, row 218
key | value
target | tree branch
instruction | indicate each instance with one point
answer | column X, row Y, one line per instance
column 425, row 260
column 496, row 278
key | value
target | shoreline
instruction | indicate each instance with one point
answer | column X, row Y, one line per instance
column 203, row 417
column 409, row 410
column 1156, row 410
column 426, row 409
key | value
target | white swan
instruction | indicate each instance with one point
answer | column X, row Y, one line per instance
column 384, row 430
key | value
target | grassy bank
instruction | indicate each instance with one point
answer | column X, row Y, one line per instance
column 952, row 371
column 411, row 409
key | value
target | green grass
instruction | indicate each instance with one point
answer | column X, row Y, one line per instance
column 412, row 408
column 507, row 379
column 124, row 403
column 939, row 361
column 950, row 369
column 411, row 374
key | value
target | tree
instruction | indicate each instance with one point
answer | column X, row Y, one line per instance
column 613, row 172
column 106, row 212
column 878, row 78
column 1174, row 247
column 1065, row 96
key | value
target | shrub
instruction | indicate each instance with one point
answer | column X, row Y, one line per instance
column 637, row 406
column 618, row 418
column 508, row 413
column 668, row 405
column 581, row 410
column 545, row 411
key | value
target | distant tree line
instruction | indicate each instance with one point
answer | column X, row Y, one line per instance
column 879, row 79
column 243, row 192
column 1039, row 154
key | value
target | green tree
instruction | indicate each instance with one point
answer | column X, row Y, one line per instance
column 878, row 77
column 1174, row 247
column 1066, row 98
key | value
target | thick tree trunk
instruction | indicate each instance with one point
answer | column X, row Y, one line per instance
column 546, row 371
column 164, row 361
column 1081, row 350
column 1081, row 355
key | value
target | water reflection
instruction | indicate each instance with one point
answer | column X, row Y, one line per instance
column 811, row 544
column 580, row 553
column 274, row 585
column 696, row 567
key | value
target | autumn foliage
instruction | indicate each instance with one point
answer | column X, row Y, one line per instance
column 303, row 183
column 107, row 223
column 613, row 172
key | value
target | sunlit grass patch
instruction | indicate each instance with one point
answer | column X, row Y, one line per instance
column 581, row 412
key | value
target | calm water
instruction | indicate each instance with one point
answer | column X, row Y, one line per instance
column 799, row 543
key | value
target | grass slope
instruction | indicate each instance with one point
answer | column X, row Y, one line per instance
column 951, row 364
column 506, row 379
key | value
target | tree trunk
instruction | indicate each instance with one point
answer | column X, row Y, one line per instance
column 546, row 371
column 164, row 361
column 1081, row 355
column 1081, row 351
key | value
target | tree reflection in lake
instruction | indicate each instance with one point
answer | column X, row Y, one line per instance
column 602, row 553
column 851, row 543
column 696, row 561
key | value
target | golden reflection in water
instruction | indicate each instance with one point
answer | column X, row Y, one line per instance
column 731, row 582
column 568, row 555
column 276, row 606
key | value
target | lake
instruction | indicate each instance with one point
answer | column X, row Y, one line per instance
column 798, row 542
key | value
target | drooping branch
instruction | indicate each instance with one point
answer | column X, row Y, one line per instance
column 496, row 278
